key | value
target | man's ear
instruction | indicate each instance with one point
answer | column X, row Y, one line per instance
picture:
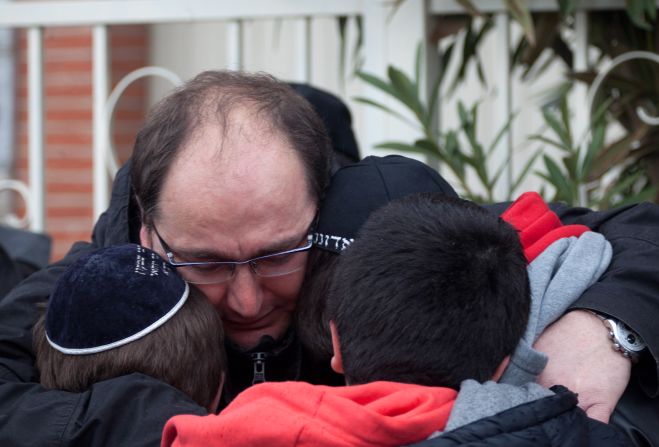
column 145, row 237
column 337, row 359
column 501, row 368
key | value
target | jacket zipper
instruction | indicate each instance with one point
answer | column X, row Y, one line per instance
column 259, row 367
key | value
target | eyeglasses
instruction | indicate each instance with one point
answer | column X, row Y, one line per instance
column 214, row 272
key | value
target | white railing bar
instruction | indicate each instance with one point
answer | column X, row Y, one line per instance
column 608, row 67
column 21, row 188
column 504, row 149
column 101, row 125
column 35, row 128
column 493, row 6
column 375, row 47
column 303, row 42
column 162, row 72
column 235, row 45
column 120, row 12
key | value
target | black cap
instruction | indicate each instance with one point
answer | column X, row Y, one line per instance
column 111, row 297
column 359, row 189
column 337, row 119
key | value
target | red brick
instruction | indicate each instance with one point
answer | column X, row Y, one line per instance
column 68, row 121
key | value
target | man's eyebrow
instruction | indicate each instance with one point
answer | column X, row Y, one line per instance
column 210, row 255
column 283, row 245
column 219, row 255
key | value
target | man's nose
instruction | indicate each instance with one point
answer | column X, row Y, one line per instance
column 245, row 296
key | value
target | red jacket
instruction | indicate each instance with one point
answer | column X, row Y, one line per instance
column 299, row 414
column 537, row 225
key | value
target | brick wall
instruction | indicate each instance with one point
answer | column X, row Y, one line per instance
column 68, row 121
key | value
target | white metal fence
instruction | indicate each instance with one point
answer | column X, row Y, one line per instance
column 379, row 40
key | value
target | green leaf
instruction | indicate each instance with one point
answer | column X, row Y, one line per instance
column 520, row 12
column 557, row 127
column 462, row 113
column 611, row 155
column 378, row 83
column 570, row 162
column 504, row 130
column 565, row 117
column 470, row 47
column 429, row 145
column 359, row 44
column 646, row 195
column 567, row 7
column 454, row 157
column 543, row 189
column 418, row 60
column 525, row 171
column 548, row 141
column 636, row 10
column 596, row 143
column 547, row 28
column 434, row 94
column 388, row 110
column 558, row 180
column 621, row 186
column 495, row 178
column 406, row 91
column 342, row 22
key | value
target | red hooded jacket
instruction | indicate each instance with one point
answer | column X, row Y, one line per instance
column 288, row 414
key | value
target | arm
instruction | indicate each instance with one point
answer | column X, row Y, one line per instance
column 19, row 311
column 629, row 289
column 581, row 355
column 128, row 410
column 10, row 274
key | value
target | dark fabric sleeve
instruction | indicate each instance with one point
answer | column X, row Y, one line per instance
column 629, row 289
column 125, row 411
column 19, row 311
column 120, row 223
column 10, row 273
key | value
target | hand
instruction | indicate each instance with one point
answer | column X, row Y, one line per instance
column 582, row 358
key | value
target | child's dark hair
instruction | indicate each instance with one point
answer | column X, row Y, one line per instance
column 433, row 291
column 186, row 352
column 311, row 322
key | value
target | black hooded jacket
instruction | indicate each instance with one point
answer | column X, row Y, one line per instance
column 553, row 421
column 627, row 291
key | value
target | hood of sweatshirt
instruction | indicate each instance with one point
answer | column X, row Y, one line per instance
column 299, row 414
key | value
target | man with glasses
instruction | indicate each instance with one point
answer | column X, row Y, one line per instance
column 229, row 195
column 225, row 181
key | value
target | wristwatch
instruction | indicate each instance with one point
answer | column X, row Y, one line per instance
column 625, row 340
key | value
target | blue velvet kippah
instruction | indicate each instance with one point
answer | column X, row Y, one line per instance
column 111, row 297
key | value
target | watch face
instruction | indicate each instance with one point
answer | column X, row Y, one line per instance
column 627, row 338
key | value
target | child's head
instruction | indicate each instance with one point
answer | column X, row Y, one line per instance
column 354, row 193
column 121, row 310
column 432, row 291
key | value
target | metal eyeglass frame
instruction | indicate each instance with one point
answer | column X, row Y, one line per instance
column 252, row 262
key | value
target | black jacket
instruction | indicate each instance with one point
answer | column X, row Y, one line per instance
column 126, row 411
column 553, row 421
column 627, row 291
